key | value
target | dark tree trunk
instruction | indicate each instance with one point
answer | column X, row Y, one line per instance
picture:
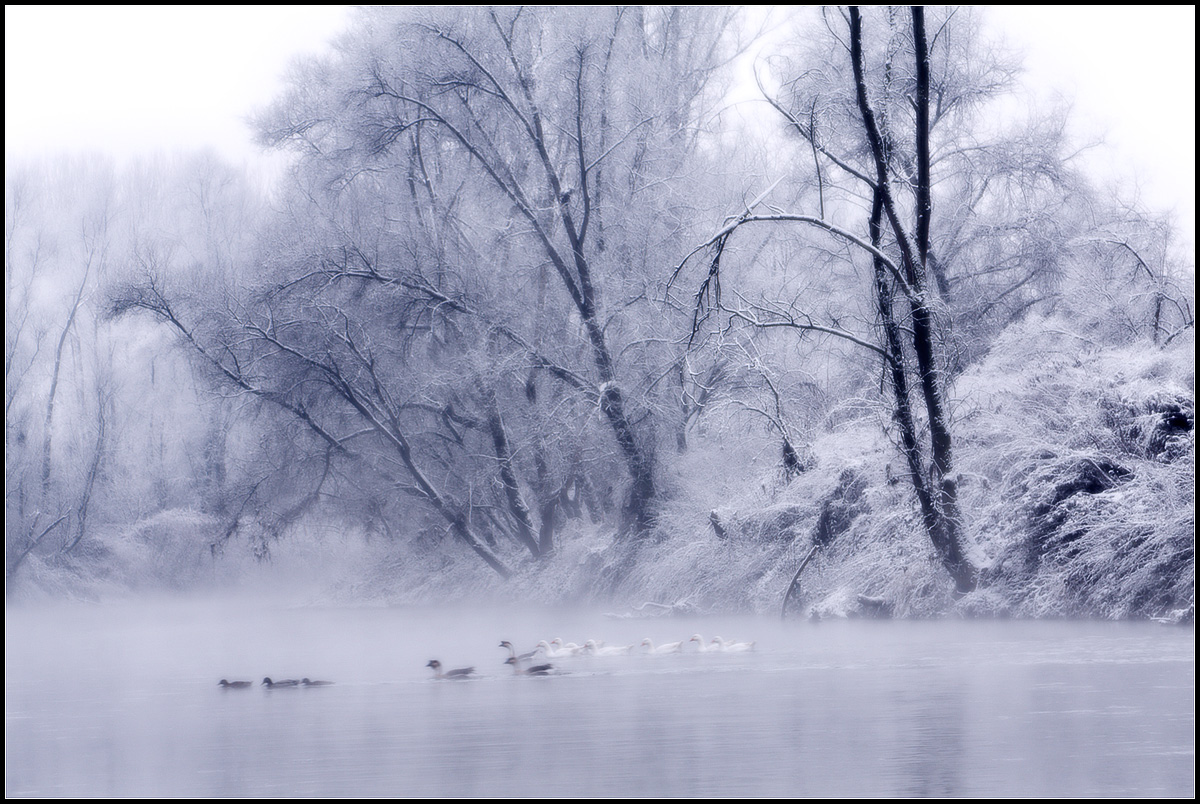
column 508, row 478
column 938, row 495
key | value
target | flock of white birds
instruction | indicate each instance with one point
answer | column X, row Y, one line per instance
column 524, row 664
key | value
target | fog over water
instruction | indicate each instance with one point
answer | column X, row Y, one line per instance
column 122, row 700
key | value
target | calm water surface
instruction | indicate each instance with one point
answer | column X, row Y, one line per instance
column 121, row 700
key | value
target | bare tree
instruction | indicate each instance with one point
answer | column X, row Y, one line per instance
column 911, row 323
column 59, row 235
column 464, row 166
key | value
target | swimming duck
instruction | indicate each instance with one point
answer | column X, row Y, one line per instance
column 234, row 685
column 536, row 670
column 653, row 650
column 287, row 682
column 461, row 674
column 308, row 682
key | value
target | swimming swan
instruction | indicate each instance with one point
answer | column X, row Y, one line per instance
column 594, row 648
column 730, row 647
column 556, row 650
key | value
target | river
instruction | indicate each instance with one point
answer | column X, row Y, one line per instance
column 122, row 700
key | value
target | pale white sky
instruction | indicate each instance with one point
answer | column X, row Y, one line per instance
column 124, row 80
column 1130, row 74
column 128, row 80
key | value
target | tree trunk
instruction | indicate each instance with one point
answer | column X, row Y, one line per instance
column 508, row 478
column 938, row 495
column 48, row 425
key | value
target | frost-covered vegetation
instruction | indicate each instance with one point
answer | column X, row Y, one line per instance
column 482, row 341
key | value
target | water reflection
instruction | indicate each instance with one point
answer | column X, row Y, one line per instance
column 123, row 701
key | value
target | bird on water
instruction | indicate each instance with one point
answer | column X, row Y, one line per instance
column 594, row 648
column 535, row 670
column 520, row 657
column 725, row 646
column 460, row 674
column 287, row 682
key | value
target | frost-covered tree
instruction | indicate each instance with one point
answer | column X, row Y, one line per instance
column 884, row 160
column 458, row 298
column 932, row 224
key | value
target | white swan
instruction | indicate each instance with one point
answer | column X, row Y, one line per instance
column 570, row 647
column 594, row 648
column 554, row 652
column 730, row 647
column 670, row 647
column 702, row 646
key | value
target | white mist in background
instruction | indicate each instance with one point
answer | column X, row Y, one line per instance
column 129, row 81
